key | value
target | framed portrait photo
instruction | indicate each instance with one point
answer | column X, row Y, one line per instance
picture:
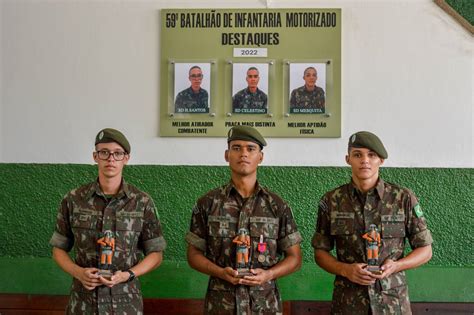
column 250, row 88
column 192, row 83
column 307, row 88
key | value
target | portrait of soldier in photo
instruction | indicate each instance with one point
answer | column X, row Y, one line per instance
column 309, row 98
column 195, row 98
column 252, row 98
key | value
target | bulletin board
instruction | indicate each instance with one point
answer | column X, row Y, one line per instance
column 276, row 70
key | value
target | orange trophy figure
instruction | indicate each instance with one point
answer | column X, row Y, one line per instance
column 243, row 244
column 107, row 248
column 372, row 238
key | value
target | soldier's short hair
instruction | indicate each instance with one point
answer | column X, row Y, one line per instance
column 194, row 67
column 253, row 68
column 309, row 68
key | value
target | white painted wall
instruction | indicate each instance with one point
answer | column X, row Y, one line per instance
column 69, row 68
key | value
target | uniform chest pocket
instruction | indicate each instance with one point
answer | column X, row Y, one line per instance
column 393, row 225
column 342, row 223
column 128, row 226
column 268, row 227
column 129, row 221
column 84, row 219
column 222, row 226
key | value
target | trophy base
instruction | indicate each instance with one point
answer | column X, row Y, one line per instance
column 374, row 269
column 107, row 274
column 242, row 272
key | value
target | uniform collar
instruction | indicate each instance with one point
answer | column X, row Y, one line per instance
column 95, row 189
column 379, row 188
column 250, row 92
column 231, row 189
column 306, row 89
column 192, row 91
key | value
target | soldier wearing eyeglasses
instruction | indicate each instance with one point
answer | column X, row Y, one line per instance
column 250, row 100
column 109, row 206
column 194, row 99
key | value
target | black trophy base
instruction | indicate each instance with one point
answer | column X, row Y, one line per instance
column 374, row 269
column 242, row 272
column 106, row 274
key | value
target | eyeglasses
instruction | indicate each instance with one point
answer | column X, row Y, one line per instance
column 196, row 76
column 104, row 155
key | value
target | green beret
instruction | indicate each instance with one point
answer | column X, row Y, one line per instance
column 365, row 139
column 108, row 135
column 246, row 133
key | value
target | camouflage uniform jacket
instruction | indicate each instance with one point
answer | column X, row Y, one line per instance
column 245, row 101
column 216, row 218
column 187, row 101
column 84, row 214
column 344, row 216
column 302, row 98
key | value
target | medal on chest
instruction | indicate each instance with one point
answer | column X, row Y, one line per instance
column 261, row 248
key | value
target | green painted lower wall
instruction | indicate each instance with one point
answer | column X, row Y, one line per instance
column 175, row 279
column 30, row 195
column 464, row 7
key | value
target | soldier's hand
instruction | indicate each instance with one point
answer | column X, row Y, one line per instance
column 117, row 278
column 230, row 275
column 388, row 267
column 259, row 277
column 358, row 273
column 89, row 278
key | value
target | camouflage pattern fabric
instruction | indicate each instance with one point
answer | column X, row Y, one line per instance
column 245, row 101
column 302, row 98
column 84, row 214
column 343, row 217
column 189, row 102
column 215, row 222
